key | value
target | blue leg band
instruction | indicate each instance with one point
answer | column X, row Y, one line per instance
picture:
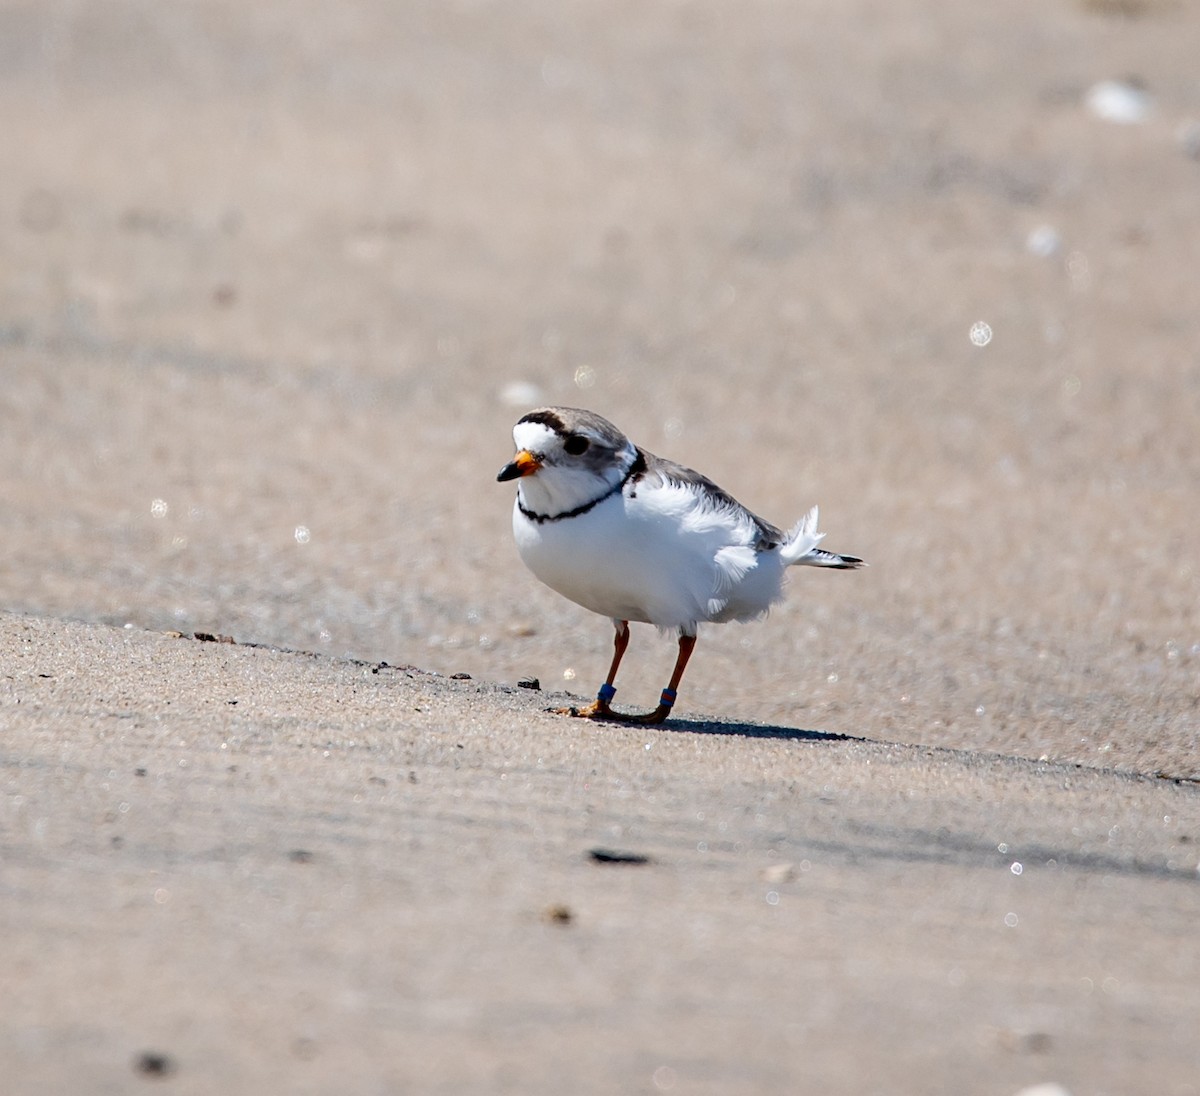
column 667, row 700
column 606, row 693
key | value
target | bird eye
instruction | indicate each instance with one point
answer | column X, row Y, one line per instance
column 576, row 444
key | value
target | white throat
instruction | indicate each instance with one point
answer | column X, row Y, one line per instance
column 565, row 483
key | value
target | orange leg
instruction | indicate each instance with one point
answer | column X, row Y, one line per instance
column 601, row 708
column 659, row 715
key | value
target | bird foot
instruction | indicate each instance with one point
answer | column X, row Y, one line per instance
column 598, row 709
column 659, row 715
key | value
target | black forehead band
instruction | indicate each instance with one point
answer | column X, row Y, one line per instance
column 546, row 418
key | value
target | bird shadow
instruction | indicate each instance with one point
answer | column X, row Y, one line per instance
column 727, row 727
column 756, row 730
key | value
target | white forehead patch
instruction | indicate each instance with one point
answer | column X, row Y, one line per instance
column 537, row 437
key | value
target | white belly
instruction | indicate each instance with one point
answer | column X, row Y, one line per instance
column 628, row 560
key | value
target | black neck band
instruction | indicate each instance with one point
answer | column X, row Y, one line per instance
column 635, row 469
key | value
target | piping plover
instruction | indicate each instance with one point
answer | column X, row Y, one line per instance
column 632, row 536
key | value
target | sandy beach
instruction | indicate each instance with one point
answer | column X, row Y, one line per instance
column 278, row 281
column 294, row 873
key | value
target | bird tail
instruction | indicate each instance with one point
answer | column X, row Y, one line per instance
column 800, row 548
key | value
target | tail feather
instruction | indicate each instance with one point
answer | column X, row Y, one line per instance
column 800, row 548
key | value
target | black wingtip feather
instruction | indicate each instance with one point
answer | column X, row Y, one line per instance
column 839, row 563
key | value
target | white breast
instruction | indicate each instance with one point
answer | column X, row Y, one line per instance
column 658, row 557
